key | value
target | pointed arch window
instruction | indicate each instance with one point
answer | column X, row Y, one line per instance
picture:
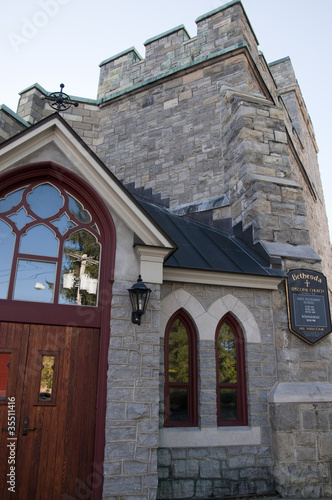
column 50, row 246
column 231, row 375
column 180, row 372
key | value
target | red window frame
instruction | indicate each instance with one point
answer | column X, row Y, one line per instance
column 241, row 384
column 44, row 313
column 191, row 385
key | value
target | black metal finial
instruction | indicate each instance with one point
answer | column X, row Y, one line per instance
column 59, row 100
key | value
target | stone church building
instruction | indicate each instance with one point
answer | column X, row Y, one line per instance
column 196, row 169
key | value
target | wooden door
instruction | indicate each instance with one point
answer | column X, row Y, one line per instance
column 50, row 387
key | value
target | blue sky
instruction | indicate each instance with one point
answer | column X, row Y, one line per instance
column 54, row 41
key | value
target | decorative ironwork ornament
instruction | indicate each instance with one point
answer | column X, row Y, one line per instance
column 59, row 100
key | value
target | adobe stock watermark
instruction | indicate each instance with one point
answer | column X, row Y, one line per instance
column 31, row 26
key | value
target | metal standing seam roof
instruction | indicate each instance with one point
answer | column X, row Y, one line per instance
column 205, row 248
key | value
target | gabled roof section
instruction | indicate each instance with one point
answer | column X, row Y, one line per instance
column 54, row 130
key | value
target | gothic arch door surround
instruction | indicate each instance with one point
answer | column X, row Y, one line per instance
column 53, row 346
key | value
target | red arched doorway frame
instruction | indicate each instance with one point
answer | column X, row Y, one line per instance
column 73, row 315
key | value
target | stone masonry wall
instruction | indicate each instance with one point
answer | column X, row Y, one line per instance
column 221, row 470
column 217, row 31
column 307, row 151
column 258, row 179
column 10, row 125
column 302, row 445
column 130, row 467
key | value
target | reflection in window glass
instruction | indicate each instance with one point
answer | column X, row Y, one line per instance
column 228, row 404
column 80, row 269
column 7, row 242
column 63, row 224
column 11, row 200
column 58, row 253
column 4, row 370
column 77, row 209
column 46, row 378
column 39, row 240
column 34, row 281
column 178, row 405
column 45, row 200
column 178, row 357
column 227, row 355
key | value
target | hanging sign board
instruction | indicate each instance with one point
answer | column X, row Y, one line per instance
column 308, row 305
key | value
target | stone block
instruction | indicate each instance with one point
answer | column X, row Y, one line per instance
column 164, row 457
column 120, row 451
column 136, row 411
column 325, row 446
column 122, row 485
column 285, row 417
column 204, row 488
column 176, row 489
column 210, row 468
column 241, row 461
column 185, row 468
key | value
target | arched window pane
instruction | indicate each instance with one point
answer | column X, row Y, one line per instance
column 57, row 255
column 80, row 269
column 63, row 223
column 181, row 373
column 34, row 281
column 39, row 240
column 7, row 242
column 178, row 353
column 11, row 200
column 77, row 209
column 45, row 200
column 21, row 218
column 227, row 370
column 231, row 376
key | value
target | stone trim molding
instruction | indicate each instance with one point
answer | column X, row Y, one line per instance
column 209, row 437
column 207, row 320
column 199, row 276
column 305, row 392
column 151, row 262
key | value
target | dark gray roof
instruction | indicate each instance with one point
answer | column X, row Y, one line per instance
column 201, row 247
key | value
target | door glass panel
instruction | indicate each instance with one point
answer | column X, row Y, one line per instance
column 39, row 240
column 21, row 218
column 228, row 404
column 178, row 405
column 227, row 355
column 7, row 242
column 34, row 281
column 77, row 209
column 4, row 370
column 80, row 269
column 47, row 379
column 11, row 200
column 45, row 200
column 178, row 357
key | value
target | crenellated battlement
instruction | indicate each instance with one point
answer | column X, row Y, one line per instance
column 219, row 30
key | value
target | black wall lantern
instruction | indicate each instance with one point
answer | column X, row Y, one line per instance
column 139, row 295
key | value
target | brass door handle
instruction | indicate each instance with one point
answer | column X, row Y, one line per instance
column 25, row 427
